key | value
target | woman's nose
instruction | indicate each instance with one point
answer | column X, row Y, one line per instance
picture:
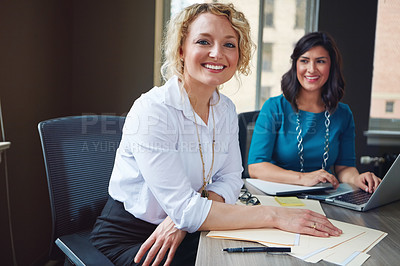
column 216, row 52
column 311, row 67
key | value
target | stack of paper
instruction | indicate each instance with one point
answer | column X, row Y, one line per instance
column 350, row 248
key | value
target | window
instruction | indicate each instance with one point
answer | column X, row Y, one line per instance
column 265, row 93
column 389, row 107
column 267, row 57
column 177, row 5
column 269, row 13
column 384, row 121
column 300, row 14
column 278, row 42
column 282, row 23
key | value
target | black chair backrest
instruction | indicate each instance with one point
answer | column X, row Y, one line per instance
column 246, row 126
column 79, row 153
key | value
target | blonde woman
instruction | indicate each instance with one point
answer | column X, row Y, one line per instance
column 178, row 168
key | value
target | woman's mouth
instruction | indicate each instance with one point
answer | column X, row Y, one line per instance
column 214, row 67
column 312, row 78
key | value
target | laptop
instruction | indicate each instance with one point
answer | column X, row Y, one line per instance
column 359, row 200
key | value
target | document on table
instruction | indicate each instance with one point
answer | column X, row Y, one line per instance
column 280, row 189
column 350, row 248
column 346, row 249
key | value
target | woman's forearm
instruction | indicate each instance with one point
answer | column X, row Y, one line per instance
column 270, row 172
column 227, row 217
column 346, row 174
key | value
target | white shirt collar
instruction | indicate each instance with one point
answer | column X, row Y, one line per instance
column 177, row 97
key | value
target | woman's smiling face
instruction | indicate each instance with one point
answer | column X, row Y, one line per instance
column 210, row 51
column 313, row 68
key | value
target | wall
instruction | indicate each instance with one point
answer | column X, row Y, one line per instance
column 61, row 58
column 352, row 24
column 112, row 57
column 34, row 81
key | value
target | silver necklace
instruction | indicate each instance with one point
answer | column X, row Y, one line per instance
column 300, row 148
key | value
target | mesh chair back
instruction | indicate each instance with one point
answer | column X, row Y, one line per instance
column 79, row 155
column 247, row 121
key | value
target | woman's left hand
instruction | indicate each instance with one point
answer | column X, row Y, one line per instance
column 166, row 238
column 367, row 181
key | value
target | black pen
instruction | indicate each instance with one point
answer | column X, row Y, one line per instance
column 257, row 249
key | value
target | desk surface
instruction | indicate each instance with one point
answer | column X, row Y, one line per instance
column 386, row 252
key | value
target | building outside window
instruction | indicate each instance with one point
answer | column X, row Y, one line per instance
column 265, row 93
column 283, row 23
column 269, row 14
column 300, row 14
column 267, row 57
column 384, row 121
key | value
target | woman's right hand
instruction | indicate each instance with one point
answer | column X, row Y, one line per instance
column 304, row 222
column 315, row 177
column 164, row 240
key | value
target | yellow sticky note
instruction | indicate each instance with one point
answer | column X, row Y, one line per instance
column 289, row 201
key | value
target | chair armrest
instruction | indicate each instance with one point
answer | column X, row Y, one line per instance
column 80, row 251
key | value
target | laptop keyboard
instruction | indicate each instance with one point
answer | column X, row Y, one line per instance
column 356, row 197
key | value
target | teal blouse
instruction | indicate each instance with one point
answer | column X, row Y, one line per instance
column 275, row 138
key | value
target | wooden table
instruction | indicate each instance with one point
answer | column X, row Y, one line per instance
column 386, row 252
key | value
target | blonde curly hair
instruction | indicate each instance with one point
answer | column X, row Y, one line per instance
column 177, row 30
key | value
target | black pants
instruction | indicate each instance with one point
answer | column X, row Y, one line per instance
column 119, row 235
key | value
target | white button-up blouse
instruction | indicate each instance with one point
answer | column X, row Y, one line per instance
column 158, row 168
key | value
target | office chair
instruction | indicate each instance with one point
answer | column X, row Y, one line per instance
column 79, row 153
column 247, row 121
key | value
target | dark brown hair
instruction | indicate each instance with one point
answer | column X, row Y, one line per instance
column 333, row 89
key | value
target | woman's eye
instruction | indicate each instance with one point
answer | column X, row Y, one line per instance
column 304, row 61
column 321, row 61
column 230, row 45
column 202, row 42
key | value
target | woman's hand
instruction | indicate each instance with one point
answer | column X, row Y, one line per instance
column 367, row 181
column 304, row 222
column 166, row 238
column 313, row 178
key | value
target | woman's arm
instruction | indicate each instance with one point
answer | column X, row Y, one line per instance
column 270, row 172
column 166, row 238
column 215, row 197
column 227, row 217
column 366, row 181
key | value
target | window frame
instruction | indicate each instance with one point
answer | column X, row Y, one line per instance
column 382, row 131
